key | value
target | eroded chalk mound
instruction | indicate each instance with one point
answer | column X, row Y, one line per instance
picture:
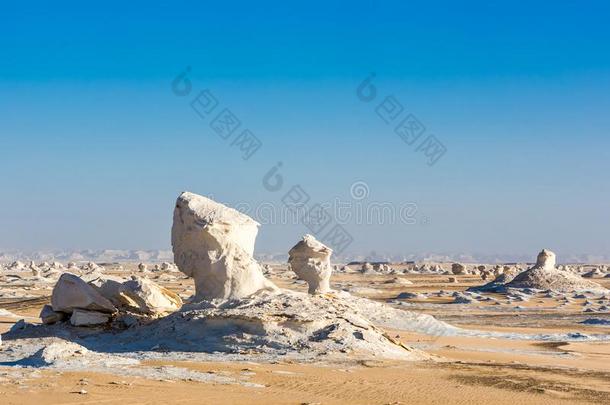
column 285, row 323
column 545, row 276
column 553, row 279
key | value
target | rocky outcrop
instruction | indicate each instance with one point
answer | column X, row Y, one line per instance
column 214, row 244
column 545, row 276
column 310, row 261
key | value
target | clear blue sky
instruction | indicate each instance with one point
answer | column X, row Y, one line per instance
column 96, row 147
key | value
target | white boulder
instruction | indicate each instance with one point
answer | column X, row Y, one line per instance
column 150, row 298
column 110, row 287
column 214, row 244
column 310, row 260
column 72, row 293
column 138, row 294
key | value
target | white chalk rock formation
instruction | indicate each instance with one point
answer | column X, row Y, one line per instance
column 165, row 266
column 367, row 268
column 283, row 324
column 458, row 269
column 214, row 244
column 150, row 298
column 71, row 293
column 88, row 318
column 111, row 288
column 17, row 266
column 310, row 260
column 137, row 295
column 546, row 260
column 545, row 276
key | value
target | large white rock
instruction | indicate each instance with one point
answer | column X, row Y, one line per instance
column 310, row 260
column 214, row 244
column 71, row 292
column 546, row 260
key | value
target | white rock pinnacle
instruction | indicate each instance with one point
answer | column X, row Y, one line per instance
column 214, row 244
column 310, row 260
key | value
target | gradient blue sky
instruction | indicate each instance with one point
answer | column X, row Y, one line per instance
column 96, row 147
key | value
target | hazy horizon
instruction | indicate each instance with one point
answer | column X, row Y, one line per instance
column 99, row 136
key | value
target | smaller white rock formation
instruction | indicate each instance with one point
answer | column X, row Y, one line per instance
column 367, row 268
column 142, row 268
column 458, row 269
column 90, row 266
column 546, row 260
column 110, row 287
column 214, row 244
column 150, row 298
column 71, row 293
column 35, row 271
column 310, row 260
column 17, row 266
column 139, row 295
column 545, row 276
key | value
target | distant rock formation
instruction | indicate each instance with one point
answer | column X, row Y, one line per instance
column 458, row 269
column 214, row 244
column 310, row 260
column 545, row 276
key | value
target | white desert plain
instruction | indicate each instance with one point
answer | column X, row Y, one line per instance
column 217, row 326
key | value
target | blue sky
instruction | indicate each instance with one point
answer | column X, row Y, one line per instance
column 96, row 147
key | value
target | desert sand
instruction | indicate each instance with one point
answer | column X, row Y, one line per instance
column 466, row 370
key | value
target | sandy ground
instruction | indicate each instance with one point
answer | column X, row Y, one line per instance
column 467, row 370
